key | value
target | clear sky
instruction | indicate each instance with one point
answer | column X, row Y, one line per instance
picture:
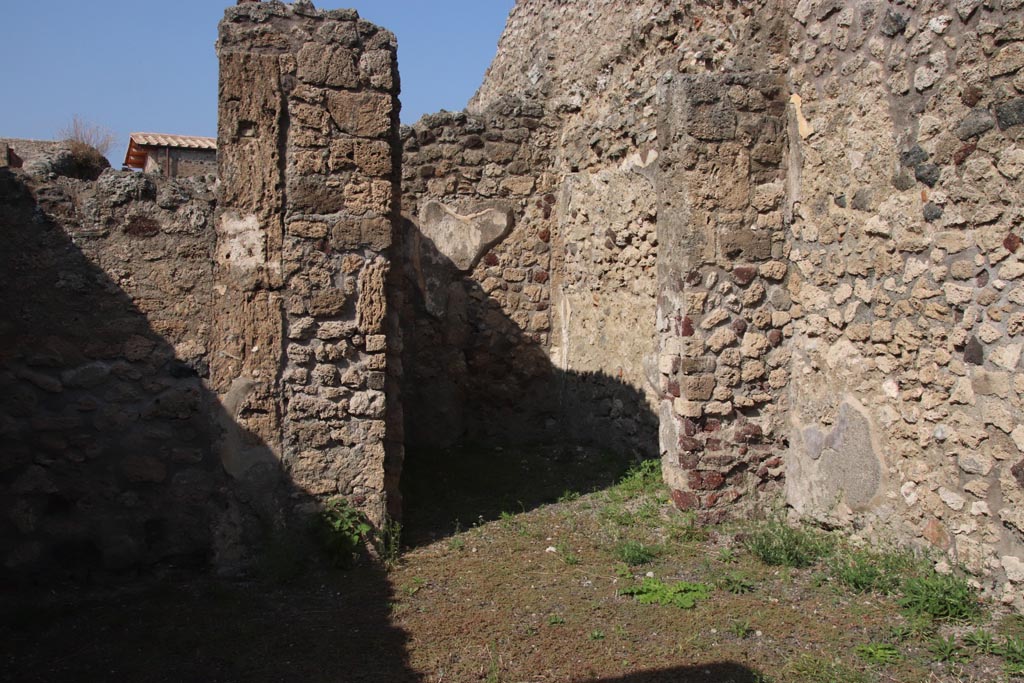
column 149, row 65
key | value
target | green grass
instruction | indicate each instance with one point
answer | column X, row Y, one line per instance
column 866, row 571
column 635, row 553
column 878, row 653
column 682, row 594
column 947, row 650
column 736, row 583
column 811, row 669
column 981, row 642
column 741, row 628
column 780, row 545
column 939, row 596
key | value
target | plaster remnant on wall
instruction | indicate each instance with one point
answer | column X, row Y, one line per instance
column 804, row 126
column 826, row 467
column 242, row 244
column 463, row 238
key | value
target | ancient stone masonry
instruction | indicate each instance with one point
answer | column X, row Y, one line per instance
column 789, row 232
column 107, row 452
column 722, row 310
column 905, row 182
column 184, row 373
column 307, row 139
column 837, row 226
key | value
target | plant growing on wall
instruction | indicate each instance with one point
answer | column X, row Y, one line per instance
column 343, row 531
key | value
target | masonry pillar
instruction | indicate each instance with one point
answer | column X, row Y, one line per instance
column 307, row 140
column 722, row 308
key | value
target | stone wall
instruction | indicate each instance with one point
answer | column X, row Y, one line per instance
column 307, row 140
column 108, row 456
column 186, row 374
column 836, row 230
column 905, row 403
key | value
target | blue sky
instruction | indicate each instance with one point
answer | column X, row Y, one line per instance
column 149, row 65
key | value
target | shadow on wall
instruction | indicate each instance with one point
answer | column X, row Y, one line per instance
column 110, row 465
column 492, row 425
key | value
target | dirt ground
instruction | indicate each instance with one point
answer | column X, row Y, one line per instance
column 531, row 593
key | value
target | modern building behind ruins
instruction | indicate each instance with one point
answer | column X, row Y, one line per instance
column 779, row 242
column 171, row 156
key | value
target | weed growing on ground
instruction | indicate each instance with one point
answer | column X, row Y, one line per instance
column 643, row 478
column 683, row 594
column 981, row 641
column 736, row 583
column 727, row 555
column 878, row 653
column 684, row 528
column 568, row 556
column 597, row 634
column 811, row 669
column 944, row 597
column 947, row 650
column 741, row 628
column 881, row 572
column 568, row 496
column 1012, row 651
column 635, row 553
column 555, row 620
column 781, row 545
column 390, row 543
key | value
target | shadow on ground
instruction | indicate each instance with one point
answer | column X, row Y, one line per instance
column 719, row 672
column 492, row 425
column 116, row 507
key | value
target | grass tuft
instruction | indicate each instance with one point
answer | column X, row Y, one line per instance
column 939, row 596
column 780, row 545
column 635, row 553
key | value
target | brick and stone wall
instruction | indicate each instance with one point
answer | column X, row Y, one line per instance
column 185, row 374
column 307, row 149
column 905, row 402
column 836, row 233
column 108, row 436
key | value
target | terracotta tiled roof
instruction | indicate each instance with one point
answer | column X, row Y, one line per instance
column 138, row 143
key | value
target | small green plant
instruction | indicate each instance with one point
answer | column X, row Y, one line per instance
column 741, row 628
column 727, row 555
column 456, row 543
column 881, row 572
column 568, row 496
column 736, row 583
column 947, row 650
column 685, row 528
column 555, row 620
column 1012, row 651
column 645, row 477
column 981, row 641
column 878, row 653
column 811, row 669
column 597, row 634
column 623, row 571
column 944, row 597
column 901, row 633
column 635, row 553
column 778, row 544
column 568, row 556
column 415, row 586
column 390, row 543
column 683, row 594
column 343, row 531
